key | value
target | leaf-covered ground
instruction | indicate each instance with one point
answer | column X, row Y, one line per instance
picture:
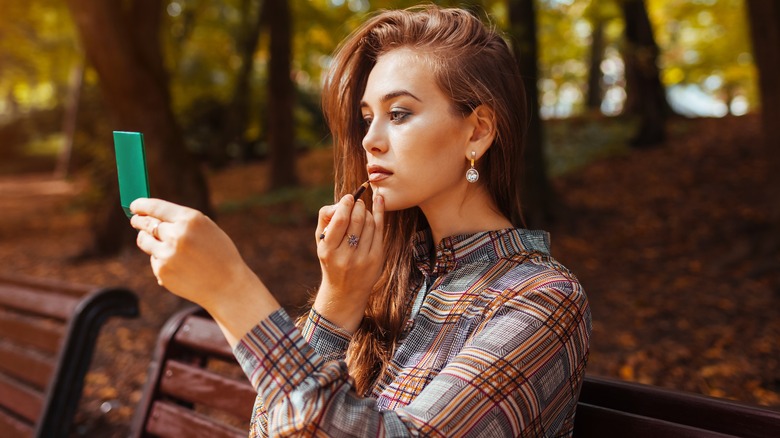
column 668, row 243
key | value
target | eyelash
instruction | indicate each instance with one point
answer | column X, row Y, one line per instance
column 396, row 116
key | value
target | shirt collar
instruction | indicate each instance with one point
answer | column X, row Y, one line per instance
column 485, row 246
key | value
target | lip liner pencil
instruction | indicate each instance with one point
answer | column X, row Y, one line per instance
column 360, row 190
column 356, row 196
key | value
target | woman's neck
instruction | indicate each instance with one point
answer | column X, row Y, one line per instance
column 477, row 212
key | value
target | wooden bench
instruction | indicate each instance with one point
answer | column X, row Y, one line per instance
column 48, row 332
column 615, row 408
column 195, row 387
column 188, row 393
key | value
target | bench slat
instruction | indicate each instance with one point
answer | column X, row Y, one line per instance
column 46, row 284
column 193, row 384
column 600, row 422
column 25, row 365
column 21, row 400
column 37, row 302
column 21, row 331
column 13, row 428
column 203, row 334
column 168, row 420
column 694, row 410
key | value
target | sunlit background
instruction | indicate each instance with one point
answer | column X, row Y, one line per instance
column 663, row 237
column 705, row 63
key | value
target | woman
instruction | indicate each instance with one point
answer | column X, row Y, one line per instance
column 436, row 314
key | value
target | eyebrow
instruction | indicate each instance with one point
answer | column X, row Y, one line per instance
column 392, row 95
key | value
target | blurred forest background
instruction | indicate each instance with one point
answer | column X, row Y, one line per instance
column 652, row 159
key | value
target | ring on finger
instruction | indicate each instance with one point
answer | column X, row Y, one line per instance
column 154, row 230
column 352, row 240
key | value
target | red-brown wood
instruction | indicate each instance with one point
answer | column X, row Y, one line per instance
column 26, row 331
column 203, row 334
column 20, row 399
column 48, row 331
column 25, row 365
column 592, row 422
column 37, row 302
column 13, row 428
column 696, row 414
column 193, row 384
column 170, row 421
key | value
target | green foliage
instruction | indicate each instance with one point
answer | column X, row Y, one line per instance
column 703, row 42
column 37, row 52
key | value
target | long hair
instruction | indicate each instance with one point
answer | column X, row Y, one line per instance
column 472, row 65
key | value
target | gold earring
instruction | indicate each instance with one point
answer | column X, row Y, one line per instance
column 472, row 175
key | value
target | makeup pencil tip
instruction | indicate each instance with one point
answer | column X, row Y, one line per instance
column 360, row 190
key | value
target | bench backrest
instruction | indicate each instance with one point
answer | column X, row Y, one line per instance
column 610, row 407
column 195, row 387
column 48, row 332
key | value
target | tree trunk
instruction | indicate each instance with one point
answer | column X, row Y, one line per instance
column 76, row 83
column 281, row 95
column 646, row 94
column 537, row 193
column 123, row 46
column 594, row 98
column 764, row 16
column 238, row 108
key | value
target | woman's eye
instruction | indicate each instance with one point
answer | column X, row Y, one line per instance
column 398, row 116
column 367, row 121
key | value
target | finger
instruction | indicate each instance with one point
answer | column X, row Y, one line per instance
column 378, row 214
column 160, row 209
column 339, row 222
column 326, row 213
column 366, row 236
column 147, row 243
column 156, row 265
column 146, row 223
column 355, row 228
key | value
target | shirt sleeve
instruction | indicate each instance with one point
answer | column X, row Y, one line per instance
column 326, row 338
column 518, row 375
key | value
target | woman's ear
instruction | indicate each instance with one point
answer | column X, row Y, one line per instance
column 483, row 121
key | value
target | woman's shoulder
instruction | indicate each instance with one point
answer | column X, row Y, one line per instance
column 536, row 270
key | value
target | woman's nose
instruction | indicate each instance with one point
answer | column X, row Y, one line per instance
column 375, row 140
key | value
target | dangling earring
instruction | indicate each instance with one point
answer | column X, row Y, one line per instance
column 472, row 175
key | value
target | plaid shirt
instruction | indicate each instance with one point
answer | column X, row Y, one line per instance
column 496, row 345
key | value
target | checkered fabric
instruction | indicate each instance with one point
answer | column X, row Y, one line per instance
column 496, row 346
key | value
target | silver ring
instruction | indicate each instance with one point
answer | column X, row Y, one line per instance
column 352, row 240
column 154, row 230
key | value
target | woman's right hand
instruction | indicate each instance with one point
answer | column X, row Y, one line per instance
column 194, row 259
column 351, row 255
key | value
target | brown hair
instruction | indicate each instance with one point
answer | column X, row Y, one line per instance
column 473, row 66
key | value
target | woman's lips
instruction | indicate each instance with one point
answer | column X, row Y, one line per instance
column 378, row 176
column 377, row 173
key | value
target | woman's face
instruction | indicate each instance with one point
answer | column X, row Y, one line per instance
column 416, row 145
